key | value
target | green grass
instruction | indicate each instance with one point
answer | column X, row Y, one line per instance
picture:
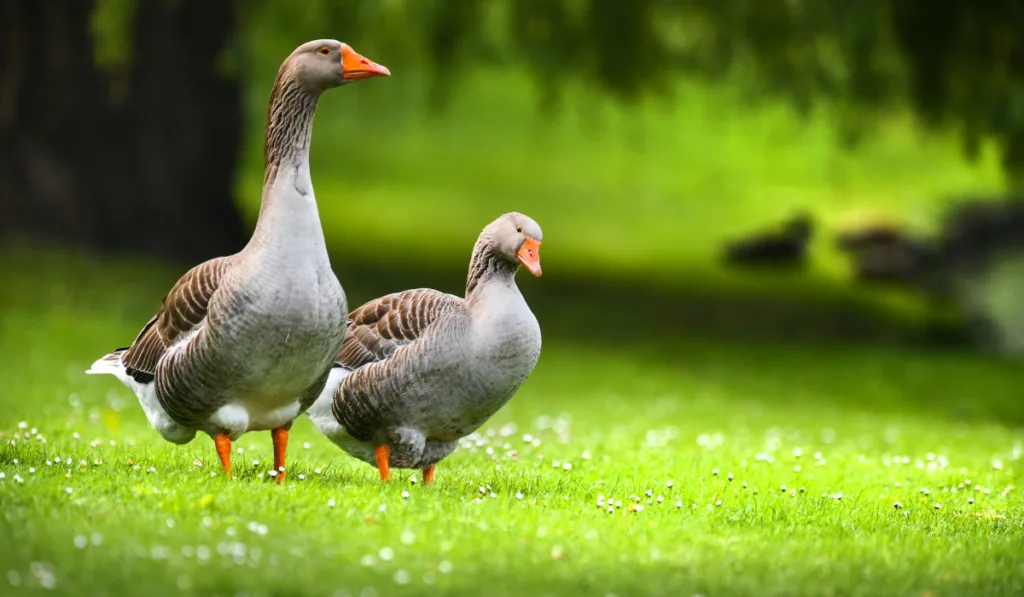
column 653, row 190
column 877, row 425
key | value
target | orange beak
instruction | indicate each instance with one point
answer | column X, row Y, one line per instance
column 354, row 66
column 529, row 256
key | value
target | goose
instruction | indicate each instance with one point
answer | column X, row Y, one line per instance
column 246, row 342
column 421, row 369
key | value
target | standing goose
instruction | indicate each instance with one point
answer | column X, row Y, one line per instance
column 246, row 342
column 420, row 369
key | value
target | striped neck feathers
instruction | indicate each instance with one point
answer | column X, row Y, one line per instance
column 487, row 265
column 289, row 125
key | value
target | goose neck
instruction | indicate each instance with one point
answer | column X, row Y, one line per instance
column 486, row 267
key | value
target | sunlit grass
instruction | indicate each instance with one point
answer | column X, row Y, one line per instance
column 786, row 464
column 653, row 190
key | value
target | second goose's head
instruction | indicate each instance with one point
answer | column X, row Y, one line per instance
column 516, row 238
column 325, row 63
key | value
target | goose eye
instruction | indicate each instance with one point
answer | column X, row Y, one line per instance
column 519, row 229
column 324, row 51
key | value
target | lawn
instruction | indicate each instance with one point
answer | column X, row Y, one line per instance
column 690, row 468
column 772, row 469
column 652, row 190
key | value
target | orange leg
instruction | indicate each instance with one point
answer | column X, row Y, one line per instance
column 383, row 456
column 223, row 444
column 428, row 475
column 280, row 436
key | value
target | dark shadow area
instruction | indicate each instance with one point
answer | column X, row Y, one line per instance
column 640, row 311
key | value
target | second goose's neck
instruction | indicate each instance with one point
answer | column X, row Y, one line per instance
column 486, row 268
column 288, row 213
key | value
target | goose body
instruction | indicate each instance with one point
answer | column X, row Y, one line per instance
column 246, row 342
column 421, row 369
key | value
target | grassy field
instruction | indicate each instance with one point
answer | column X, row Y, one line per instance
column 772, row 469
column 650, row 191
column 695, row 468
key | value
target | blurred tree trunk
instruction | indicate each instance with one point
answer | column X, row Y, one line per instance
column 141, row 160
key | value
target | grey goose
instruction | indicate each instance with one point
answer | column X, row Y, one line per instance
column 421, row 369
column 245, row 342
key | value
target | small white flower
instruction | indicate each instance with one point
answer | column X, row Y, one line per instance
column 897, row 505
column 302, row 477
column 306, row 445
column 81, row 542
column 729, row 477
column 330, row 503
column 386, row 553
column 68, row 490
column 714, row 472
column 382, row 507
column 405, row 495
column 402, row 577
column 679, row 504
column 938, row 506
column 445, row 567
column 519, row 495
column 660, row 499
column 669, row 484
column 316, row 470
column 566, row 466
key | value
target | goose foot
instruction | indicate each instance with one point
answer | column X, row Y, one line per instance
column 428, row 475
column 223, row 444
column 383, row 454
column 280, row 437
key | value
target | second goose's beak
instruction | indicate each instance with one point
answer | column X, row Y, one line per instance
column 354, row 66
column 529, row 256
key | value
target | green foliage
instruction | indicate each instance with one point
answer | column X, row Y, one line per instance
column 95, row 503
column 111, row 25
column 957, row 64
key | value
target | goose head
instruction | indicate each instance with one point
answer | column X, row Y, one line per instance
column 325, row 63
column 516, row 238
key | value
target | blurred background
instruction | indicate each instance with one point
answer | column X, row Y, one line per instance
column 770, row 172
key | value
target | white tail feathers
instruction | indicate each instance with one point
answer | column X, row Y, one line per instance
column 109, row 364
